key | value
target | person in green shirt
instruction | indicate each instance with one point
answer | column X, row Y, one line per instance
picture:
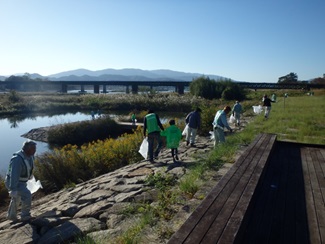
column 152, row 126
column 173, row 136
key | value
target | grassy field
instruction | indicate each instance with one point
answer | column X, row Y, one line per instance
column 298, row 119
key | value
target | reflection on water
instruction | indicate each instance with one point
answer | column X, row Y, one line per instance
column 13, row 127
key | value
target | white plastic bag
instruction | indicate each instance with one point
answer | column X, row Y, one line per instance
column 257, row 109
column 232, row 119
column 184, row 133
column 144, row 148
column 33, row 185
column 211, row 135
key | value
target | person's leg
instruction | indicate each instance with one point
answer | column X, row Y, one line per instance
column 221, row 135
column 193, row 135
column 12, row 210
column 176, row 153
column 26, row 201
column 150, row 146
column 188, row 135
column 216, row 136
column 159, row 143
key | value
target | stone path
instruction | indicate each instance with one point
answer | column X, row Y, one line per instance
column 95, row 207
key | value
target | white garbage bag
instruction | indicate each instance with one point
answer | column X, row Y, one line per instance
column 144, row 148
column 184, row 133
column 211, row 135
column 232, row 119
column 257, row 109
column 33, row 185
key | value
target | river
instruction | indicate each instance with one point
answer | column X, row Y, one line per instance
column 12, row 128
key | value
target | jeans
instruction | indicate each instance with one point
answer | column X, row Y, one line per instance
column 152, row 138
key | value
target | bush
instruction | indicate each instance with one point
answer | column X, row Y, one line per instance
column 83, row 132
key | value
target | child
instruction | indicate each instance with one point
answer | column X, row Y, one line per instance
column 173, row 135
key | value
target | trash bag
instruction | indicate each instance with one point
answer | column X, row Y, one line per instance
column 33, row 185
column 232, row 119
column 144, row 148
column 184, row 133
column 257, row 109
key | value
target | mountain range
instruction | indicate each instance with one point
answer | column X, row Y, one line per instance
column 121, row 75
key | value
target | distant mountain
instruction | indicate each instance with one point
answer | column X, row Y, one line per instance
column 127, row 75
column 122, row 75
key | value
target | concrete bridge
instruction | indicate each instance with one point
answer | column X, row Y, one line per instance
column 133, row 86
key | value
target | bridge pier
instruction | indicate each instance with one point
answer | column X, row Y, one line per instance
column 135, row 89
column 180, row 89
column 104, row 89
column 64, row 88
column 96, row 89
column 82, row 89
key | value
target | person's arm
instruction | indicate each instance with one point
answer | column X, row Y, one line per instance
column 225, row 123
column 144, row 126
column 159, row 123
column 16, row 168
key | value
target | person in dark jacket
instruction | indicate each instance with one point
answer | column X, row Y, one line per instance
column 152, row 126
column 267, row 104
column 193, row 121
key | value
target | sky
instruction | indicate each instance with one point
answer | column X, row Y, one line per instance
column 244, row 40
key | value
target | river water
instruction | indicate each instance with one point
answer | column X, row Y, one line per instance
column 11, row 130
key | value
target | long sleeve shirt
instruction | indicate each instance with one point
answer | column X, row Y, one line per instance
column 220, row 120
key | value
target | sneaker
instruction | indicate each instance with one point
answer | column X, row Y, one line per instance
column 187, row 143
column 152, row 161
column 192, row 145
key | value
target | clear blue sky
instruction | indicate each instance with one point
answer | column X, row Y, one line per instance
column 251, row 40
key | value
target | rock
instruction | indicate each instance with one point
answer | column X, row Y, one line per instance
column 97, row 207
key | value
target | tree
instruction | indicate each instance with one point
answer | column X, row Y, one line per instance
column 203, row 87
column 289, row 78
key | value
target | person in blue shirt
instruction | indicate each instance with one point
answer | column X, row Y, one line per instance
column 19, row 172
column 219, row 123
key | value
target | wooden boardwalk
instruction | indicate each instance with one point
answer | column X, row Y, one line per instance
column 289, row 204
column 274, row 193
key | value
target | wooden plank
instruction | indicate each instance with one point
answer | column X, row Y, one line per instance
column 234, row 222
column 318, row 185
column 196, row 216
column 311, row 211
column 224, row 203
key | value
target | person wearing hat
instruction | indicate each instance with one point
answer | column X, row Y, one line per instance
column 19, row 172
column 193, row 121
column 219, row 123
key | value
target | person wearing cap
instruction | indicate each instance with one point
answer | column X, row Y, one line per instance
column 153, row 126
column 19, row 172
column 236, row 111
column 193, row 121
column 219, row 123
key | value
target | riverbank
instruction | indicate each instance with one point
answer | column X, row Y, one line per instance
column 98, row 207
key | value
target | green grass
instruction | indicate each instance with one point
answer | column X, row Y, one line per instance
column 298, row 119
